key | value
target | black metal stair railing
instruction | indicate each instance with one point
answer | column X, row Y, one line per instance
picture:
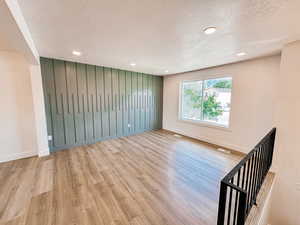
column 240, row 187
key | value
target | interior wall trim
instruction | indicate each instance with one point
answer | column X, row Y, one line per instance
column 15, row 156
column 43, row 153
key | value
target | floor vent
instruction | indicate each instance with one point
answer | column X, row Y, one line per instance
column 177, row 135
column 224, row 150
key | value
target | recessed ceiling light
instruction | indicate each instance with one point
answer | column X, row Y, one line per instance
column 166, row 71
column 210, row 30
column 77, row 53
column 241, row 54
column 132, row 64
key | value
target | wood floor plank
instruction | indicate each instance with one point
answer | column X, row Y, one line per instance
column 153, row 178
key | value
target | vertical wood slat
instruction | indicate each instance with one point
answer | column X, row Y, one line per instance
column 99, row 102
column 49, row 94
column 134, row 113
column 140, row 101
column 114, row 102
column 61, row 103
column 81, row 98
column 128, row 103
column 106, row 102
column 91, row 102
column 85, row 103
column 122, row 87
column 70, row 74
column 144, row 104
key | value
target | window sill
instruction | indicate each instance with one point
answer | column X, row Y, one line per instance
column 207, row 124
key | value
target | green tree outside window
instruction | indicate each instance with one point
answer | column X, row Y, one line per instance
column 211, row 108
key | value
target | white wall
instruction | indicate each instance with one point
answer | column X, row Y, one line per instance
column 285, row 209
column 39, row 110
column 17, row 125
column 252, row 107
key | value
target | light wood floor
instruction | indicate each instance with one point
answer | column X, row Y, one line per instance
column 152, row 178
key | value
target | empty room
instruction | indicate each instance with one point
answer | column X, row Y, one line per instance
column 163, row 112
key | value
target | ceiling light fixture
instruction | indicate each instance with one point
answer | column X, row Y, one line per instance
column 241, row 54
column 132, row 64
column 167, row 71
column 77, row 53
column 210, row 30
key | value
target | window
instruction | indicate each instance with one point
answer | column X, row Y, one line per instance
column 207, row 100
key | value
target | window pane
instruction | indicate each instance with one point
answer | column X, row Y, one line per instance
column 216, row 100
column 191, row 100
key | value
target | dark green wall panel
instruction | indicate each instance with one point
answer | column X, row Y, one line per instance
column 86, row 103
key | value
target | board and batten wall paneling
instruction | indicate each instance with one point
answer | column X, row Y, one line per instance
column 86, row 103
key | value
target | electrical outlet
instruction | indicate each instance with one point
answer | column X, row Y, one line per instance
column 49, row 138
column 129, row 125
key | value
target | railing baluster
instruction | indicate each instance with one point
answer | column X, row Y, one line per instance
column 242, row 209
column 273, row 135
column 222, row 203
column 249, row 186
column 236, row 196
column 271, row 149
column 229, row 206
column 253, row 179
column 244, row 171
column 258, row 172
column 256, row 176
column 262, row 160
column 265, row 160
column 259, row 167
column 247, row 177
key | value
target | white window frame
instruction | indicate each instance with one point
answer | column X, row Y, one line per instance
column 202, row 122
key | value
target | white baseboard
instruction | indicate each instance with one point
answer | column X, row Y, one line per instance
column 45, row 152
column 22, row 155
column 15, row 156
column 242, row 149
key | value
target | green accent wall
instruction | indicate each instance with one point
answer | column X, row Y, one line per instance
column 86, row 103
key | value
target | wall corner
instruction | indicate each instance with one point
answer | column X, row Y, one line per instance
column 39, row 110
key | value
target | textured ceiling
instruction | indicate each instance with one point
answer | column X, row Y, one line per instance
column 161, row 35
